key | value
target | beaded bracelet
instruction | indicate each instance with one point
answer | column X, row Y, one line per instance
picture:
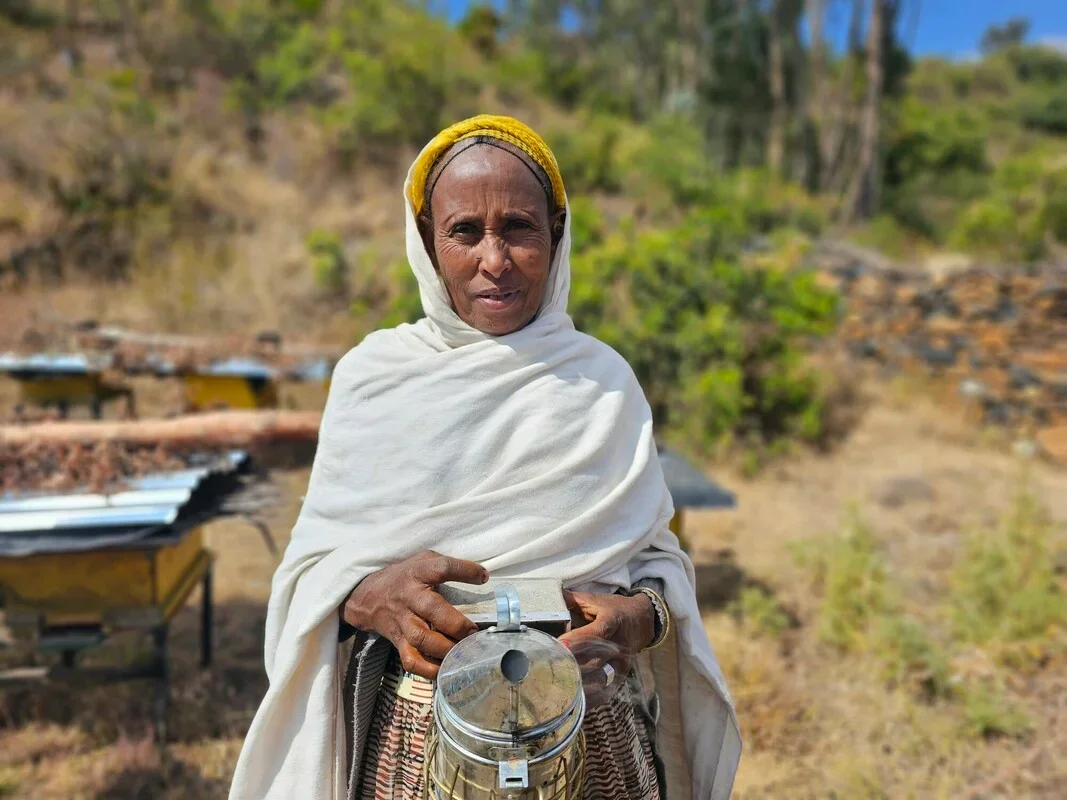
column 663, row 615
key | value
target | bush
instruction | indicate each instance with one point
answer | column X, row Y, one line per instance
column 859, row 612
column 935, row 162
column 328, row 262
column 383, row 295
column 715, row 345
column 988, row 713
column 587, row 156
column 759, row 610
column 1027, row 204
column 1005, row 588
column 1038, row 64
column 907, row 656
column 587, row 225
column 1046, row 112
column 933, row 139
column 852, row 577
column 670, row 153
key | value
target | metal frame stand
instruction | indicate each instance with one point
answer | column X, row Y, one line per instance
column 157, row 669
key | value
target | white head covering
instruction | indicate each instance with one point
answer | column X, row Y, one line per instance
column 531, row 453
column 436, row 305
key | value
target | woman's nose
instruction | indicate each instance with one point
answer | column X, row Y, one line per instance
column 494, row 256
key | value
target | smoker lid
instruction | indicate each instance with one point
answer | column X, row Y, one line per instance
column 477, row 678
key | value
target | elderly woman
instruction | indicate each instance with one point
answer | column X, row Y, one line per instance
column 490, row 437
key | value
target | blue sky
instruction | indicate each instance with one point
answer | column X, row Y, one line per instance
column 941, row 27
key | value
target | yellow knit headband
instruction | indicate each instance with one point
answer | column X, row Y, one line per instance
column 506, row 129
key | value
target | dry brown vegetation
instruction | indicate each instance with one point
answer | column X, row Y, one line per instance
column 829, row 708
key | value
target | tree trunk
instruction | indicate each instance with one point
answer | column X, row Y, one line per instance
column 130, row 41
column 68, row 37
column 776, row 79
column 863, row 194
column 688, row 32
column 735, row 122
column 220, row 429
column 818, row 133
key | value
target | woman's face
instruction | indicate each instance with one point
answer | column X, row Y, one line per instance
column 491, row 239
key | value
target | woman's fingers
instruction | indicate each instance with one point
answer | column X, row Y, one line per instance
column 428, row 642
column 413, row 661
column 601, row 628
column 598, row 689
column 442, row 616
column 442, row 569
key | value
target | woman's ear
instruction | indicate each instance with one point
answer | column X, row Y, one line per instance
column 558, row 224
column 425, row 226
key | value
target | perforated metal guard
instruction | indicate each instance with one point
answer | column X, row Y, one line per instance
column 566, row 783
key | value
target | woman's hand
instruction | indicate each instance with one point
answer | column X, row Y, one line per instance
column 608, row 629
column 401, row 603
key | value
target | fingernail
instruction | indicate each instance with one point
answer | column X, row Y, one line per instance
column 485, row 577
column 566, row 644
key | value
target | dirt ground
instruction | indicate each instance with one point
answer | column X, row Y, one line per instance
column 817, row 723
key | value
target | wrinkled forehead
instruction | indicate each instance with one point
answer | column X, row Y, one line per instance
column 480, row 161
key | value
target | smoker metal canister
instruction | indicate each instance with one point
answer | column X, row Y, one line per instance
column 508, row 711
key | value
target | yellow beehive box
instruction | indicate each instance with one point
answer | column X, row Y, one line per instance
column 134, row 587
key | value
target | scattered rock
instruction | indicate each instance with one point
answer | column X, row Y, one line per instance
column 994, row 339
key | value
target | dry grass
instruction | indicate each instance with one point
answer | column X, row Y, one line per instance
column 819, row 722
column 821, row 718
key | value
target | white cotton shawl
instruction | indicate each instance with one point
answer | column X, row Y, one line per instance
column 530, row 453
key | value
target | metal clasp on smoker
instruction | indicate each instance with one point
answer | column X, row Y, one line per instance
column 508, row 617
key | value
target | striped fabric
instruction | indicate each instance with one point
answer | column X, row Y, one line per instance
column 371, row 654
column 620, row 760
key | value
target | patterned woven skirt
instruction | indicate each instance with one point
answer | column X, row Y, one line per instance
column 620, row 764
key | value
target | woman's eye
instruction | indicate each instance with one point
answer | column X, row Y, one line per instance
column 518, row 225
column 464, row 229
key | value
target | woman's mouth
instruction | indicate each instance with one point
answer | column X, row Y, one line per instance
column 497, row 299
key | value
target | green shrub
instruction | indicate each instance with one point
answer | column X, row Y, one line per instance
column 587, row 156
column 988, row 713
column 935, row 162
column 670, row 153
column 933, row 138
column 1038, row 64
column 328, row 262
column 1004, row 588
column 759, row 610
column 907, row 656
column 855, row 594
column 1026, row 205
column 859, row 612
column 1046, row 111
column 384, row 295
column 768, row 204
column 715, row 345
column 587, row 223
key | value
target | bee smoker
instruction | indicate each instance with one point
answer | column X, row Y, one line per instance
column 508, row 711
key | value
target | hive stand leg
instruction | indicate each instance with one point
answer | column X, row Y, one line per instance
column 207, row 615
column 68, row 657
column 162, row 683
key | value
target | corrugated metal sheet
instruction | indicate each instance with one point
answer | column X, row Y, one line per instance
column 83, row 518
column 150, row 501
column 88, row 502
column 319, row 369
column 239, row 367
column 52, row 363
column 689, row 487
